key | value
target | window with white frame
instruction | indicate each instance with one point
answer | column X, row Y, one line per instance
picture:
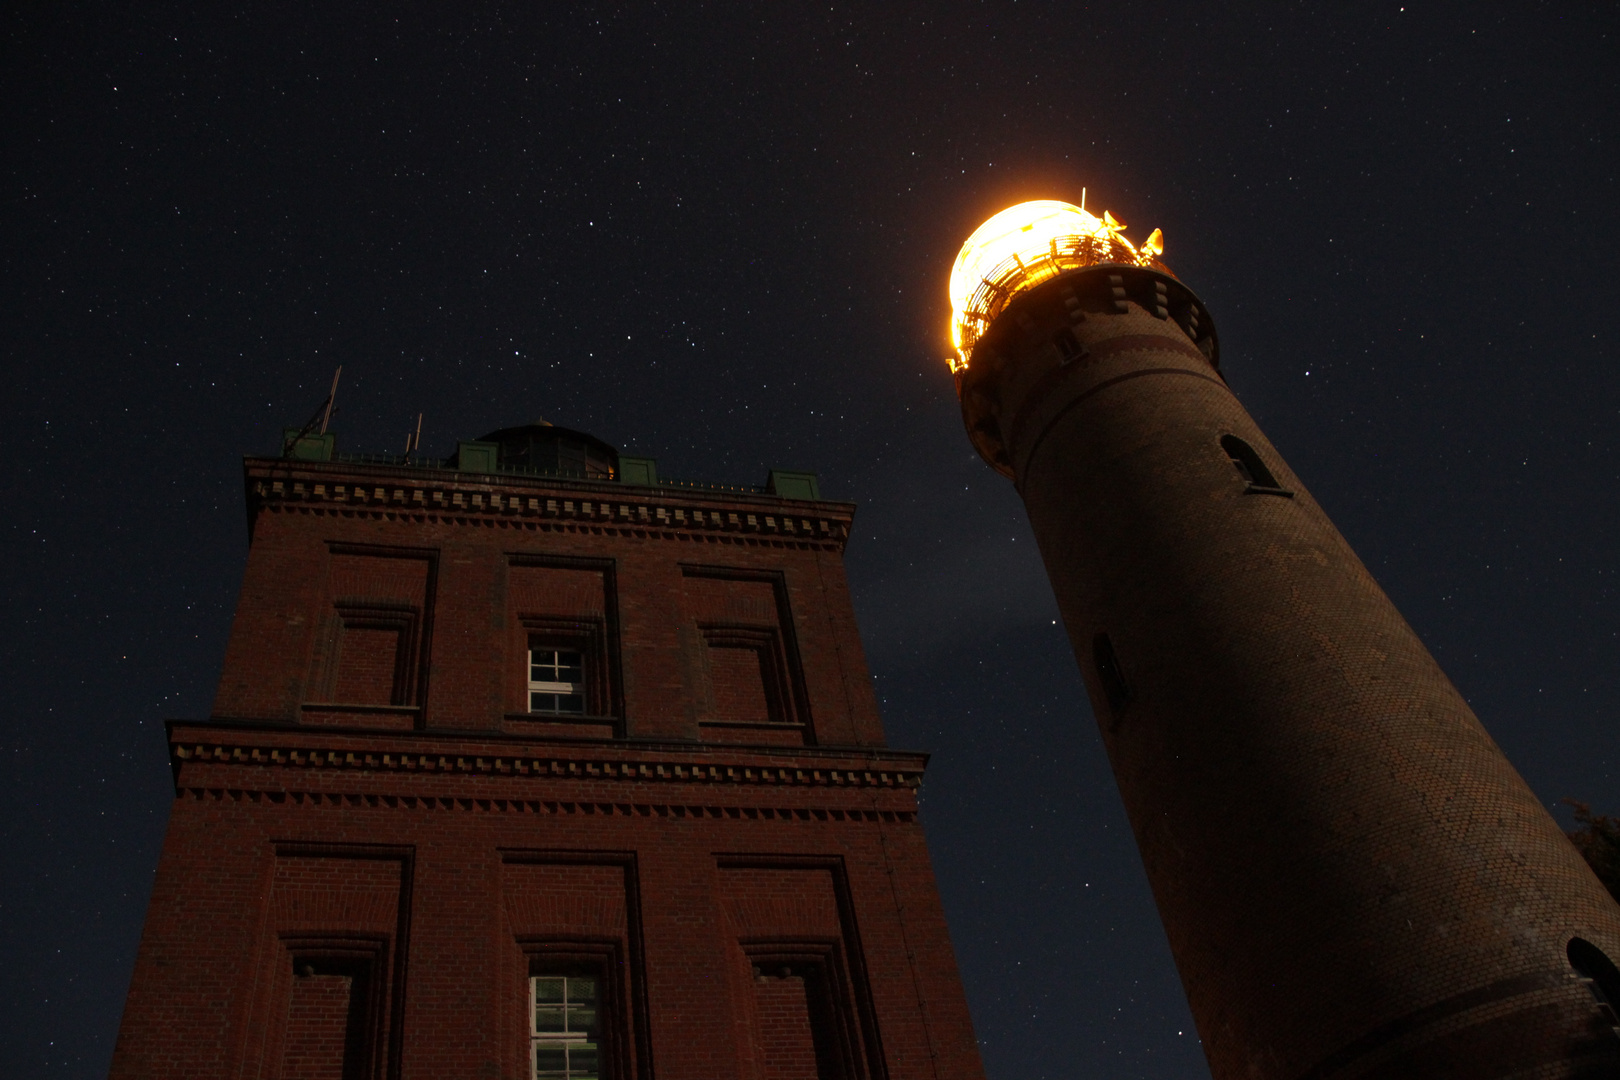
column 556, row 679
column 563, row 1027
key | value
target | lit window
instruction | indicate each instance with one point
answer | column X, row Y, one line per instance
column 564, row 1027
column 556, row 680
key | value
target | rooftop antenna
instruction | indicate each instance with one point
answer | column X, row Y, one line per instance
column 414, row 442
column 331, row 398
column 1082, row 207
column 324, row 411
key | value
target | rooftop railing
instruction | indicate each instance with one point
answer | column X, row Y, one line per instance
column 413, row 461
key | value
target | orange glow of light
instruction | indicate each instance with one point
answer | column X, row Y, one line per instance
column 1023, row 246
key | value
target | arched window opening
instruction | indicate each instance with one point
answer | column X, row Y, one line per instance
column 1114, row 686
column 1250, row 467
column 1597, row 971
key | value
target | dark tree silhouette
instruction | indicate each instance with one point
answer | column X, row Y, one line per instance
column 1598, row 839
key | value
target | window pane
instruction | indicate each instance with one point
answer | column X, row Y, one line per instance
column 545, row 701
column 582, row 1061
column 550, row 1060
column 581, row 1018
column 581, row 991
column 549, row 988
column 548, row 1020
column 544, row 663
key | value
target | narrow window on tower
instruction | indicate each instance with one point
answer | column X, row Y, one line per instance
column 1114, row 687
column 564, row 1029
column 1250, row 467
column 1600, row 976
column 556, row 679
column 1068, row 346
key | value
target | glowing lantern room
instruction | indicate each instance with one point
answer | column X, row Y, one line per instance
column 1025, row 245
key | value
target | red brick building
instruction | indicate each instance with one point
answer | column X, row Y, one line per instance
column 520, row 768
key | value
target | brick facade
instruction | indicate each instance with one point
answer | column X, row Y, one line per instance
column 1354, row 879
column 374, row 843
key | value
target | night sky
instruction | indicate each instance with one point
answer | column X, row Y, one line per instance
column 719, row 236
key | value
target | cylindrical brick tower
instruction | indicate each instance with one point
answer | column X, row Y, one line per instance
column 1354, row 879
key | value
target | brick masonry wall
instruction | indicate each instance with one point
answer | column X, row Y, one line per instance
column 446, row 846
column 464, row 577
column 782, row 1036
column 1355, row 881
column 317, row 1028
column 366, row 659
column 737, row 674
column 212, row 957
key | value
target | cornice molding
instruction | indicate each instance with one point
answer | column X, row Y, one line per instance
column 327, row 753
column 522, row 502
column 567, row 807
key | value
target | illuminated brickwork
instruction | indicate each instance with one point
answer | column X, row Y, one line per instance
column 375, row 845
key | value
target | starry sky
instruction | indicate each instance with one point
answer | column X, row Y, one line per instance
column 719, row 235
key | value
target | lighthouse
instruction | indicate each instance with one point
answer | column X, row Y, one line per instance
column 1354, row 879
